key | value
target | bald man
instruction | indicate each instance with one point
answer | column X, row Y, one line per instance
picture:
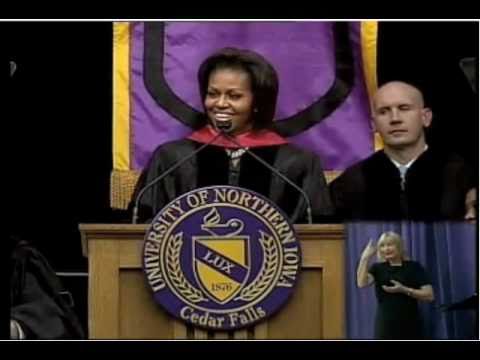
column 407, row 179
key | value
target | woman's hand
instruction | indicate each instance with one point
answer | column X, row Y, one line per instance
column 425, row 293
column 397, row 287
column 369, row 250
column 363, row 277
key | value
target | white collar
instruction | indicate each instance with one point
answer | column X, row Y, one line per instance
column 407, row 165
column 235, row 154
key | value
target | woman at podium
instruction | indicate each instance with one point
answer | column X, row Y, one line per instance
column 239, row 91
column 399, row 285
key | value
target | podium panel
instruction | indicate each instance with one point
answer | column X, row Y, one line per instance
column 121, row 306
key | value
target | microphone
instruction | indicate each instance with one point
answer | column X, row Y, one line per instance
column 224, row 126
column 221, row 125
column 470, row 303
column 13, row 68
column 166, row 172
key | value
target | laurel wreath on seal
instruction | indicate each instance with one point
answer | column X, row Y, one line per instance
column 175, row 272
column 267, row 272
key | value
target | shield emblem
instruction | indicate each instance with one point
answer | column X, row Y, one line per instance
column 221, row 265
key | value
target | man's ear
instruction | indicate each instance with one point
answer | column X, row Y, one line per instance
column 427, row 117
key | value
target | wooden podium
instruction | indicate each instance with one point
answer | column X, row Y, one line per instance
column 121, row 305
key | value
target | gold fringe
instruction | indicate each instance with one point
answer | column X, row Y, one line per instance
column 369, row 37
column 122, row 130
column 378, row 141
column 369, row 41
column 331, row 175
column 122, row 186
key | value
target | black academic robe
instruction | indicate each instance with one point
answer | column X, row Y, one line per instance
column 434, row 189
column 211, row 167
column 36, row 302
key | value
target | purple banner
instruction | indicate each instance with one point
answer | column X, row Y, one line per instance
column 303, row 54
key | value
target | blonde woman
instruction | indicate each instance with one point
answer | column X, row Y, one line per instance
column 399, row 285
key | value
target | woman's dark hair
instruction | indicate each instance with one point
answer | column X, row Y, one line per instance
column 263, row 80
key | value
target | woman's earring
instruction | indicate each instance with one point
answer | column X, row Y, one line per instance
column 255, row 110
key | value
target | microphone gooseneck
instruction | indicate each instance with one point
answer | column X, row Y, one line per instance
column 276, row 172
column 167, row 172
column 224, row 128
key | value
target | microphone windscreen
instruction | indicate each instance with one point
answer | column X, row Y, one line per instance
column 224, row 126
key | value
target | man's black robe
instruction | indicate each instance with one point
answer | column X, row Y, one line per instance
column 435, row 188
